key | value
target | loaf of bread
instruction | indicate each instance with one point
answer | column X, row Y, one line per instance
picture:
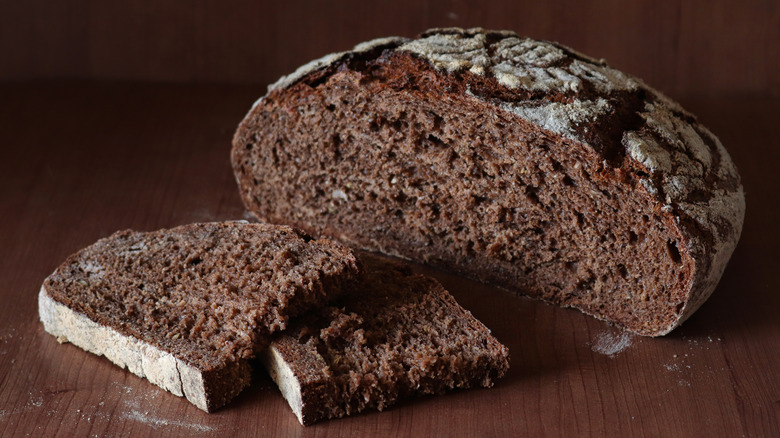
column 519, row 163
column 187, row 307
column 394, row 335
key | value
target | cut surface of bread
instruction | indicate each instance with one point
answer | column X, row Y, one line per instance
column 187, row 307
column 520, row 163
column 394, row 335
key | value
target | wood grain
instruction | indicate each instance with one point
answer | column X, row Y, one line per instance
column 81, row 160
column 679, row 46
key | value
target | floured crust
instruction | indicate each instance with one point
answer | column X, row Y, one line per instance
column 141, row 358
column 633, row 130
column 284, row 377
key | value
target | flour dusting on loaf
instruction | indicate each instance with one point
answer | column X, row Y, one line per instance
column 515, row 62
column 557, row 117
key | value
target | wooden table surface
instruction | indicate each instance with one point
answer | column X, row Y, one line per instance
column 79, row 161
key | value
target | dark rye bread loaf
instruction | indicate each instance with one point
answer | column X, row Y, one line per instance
column 187, row 307
column 394, row 335
column 519, row 163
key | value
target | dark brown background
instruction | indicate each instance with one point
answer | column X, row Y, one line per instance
column 680, row 46
column 117, row 115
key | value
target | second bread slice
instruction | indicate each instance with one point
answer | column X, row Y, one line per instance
column 394, row 335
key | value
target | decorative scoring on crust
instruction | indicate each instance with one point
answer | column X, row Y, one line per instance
column 517, row 62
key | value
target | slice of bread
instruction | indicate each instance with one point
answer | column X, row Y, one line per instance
column 520, row 163
column 187, row 307
column 394, row 335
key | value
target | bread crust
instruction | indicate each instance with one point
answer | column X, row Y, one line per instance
column 207, row 391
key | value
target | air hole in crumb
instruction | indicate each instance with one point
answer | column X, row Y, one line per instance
column 195, row 261
column 632, row 237
column 580, row 219
column 680, row 308
column 437, row 121
column 674, row 253
column 331, row 107
column 249, row 146
column 435, row 140
column 568, row 181
column 623, row 271
column 531, row 195
column 478, row 199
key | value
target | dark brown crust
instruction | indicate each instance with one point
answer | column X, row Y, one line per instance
column 639, row 142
